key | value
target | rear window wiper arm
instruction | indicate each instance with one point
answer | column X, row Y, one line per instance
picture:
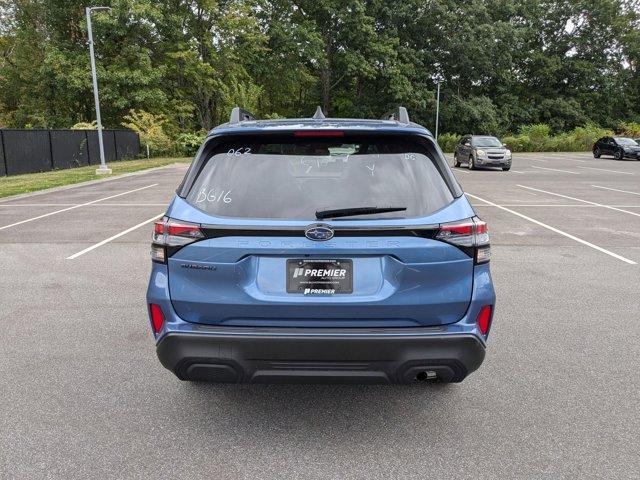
column 348, row 212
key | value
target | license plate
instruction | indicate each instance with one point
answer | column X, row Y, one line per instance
column 319, row 277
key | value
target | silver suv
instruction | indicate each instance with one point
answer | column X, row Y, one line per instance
column 482, row 151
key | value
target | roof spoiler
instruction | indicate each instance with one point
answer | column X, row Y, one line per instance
column 239, row 115
column 400, row 115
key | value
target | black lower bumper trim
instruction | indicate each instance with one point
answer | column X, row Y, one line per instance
column 320, row 358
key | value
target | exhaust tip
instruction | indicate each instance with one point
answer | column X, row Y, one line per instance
column 426, row 376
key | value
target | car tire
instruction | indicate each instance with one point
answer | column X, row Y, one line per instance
column 472, row 165
column 618, row 155
column 596, row 153
column 456, row 162
column 506, row 169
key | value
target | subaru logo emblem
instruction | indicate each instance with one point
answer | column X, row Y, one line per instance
column 319, row 232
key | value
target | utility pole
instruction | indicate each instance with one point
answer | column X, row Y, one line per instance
column 102, row 170
column 438, row 107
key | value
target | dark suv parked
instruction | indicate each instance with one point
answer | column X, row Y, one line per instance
column 619, row 147
column 482, row 151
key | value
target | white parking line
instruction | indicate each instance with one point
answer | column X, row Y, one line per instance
column 75, row 206
column 164, row 204
column 581, row 200
column 6, row 205
column 118, row 235
column 105, row 204
column 554, row 205
column 606, row 170
column 564, row 157
column 616, row 190
column 555, row 170
column 553, row 229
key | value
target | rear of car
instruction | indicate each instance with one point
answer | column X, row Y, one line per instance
column 320, row 250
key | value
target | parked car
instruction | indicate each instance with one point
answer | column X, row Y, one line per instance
column 482, row 151
column 619, row 147
column 320, row 250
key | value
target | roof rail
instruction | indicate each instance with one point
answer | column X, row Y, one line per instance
column 319, row 115
column 239, row 115
column 400, row 114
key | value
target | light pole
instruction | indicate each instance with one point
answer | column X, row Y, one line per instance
column 103, row 165
column 439, row 80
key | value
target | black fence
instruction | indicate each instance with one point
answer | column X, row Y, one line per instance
column 29, row 151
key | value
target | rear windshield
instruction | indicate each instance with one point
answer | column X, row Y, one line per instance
column 295, row 178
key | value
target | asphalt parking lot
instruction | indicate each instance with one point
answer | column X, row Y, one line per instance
column 557, row 397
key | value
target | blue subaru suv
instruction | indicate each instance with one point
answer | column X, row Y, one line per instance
column 320, row 250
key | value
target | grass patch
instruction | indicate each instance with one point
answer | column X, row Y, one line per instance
column 31, row 182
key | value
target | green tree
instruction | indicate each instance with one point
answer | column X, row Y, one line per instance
column 503, row 63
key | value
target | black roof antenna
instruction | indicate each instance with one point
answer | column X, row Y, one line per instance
column 319, row 115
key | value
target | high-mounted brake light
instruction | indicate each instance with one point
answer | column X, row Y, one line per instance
column 169, row 233
column 484, row 319
column 157, row 317
column 318, row 133
column 472, row 236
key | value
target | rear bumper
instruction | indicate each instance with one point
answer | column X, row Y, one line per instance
column 291, row 356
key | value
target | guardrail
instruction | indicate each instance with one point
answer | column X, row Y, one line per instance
column 30, row 151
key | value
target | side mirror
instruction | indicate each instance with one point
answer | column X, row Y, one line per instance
column 504, row 145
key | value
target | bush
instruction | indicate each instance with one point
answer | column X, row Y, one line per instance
column 187, row 144
column 583, row 138
column 448, row 141
column 630, row 129
column 537, row 134
column 559, row 143
column 151, row 130
column 85, row 126
column 537, row 138
column 518, row 143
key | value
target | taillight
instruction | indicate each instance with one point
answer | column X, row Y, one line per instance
column 157, row 317
column 484, row 319
column 472, row 236
column 169, row 234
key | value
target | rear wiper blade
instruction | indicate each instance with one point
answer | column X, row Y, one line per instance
column 348, row 212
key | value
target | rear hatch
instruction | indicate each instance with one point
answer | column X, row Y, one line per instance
column 278, row 246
